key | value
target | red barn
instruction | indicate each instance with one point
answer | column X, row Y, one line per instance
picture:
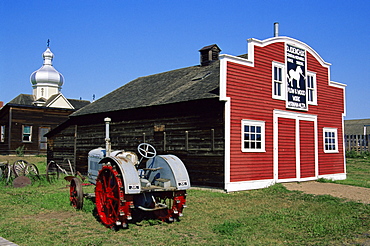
column 237, row 122
column 283, row 115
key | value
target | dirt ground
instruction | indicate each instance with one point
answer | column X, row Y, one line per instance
column 357, row 194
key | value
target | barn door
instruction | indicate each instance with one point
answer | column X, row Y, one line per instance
column 295, row 147
column 307, row 147
column 287, row 149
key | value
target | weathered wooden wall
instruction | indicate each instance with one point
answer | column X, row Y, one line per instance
column 193, row 131
column 31, row 116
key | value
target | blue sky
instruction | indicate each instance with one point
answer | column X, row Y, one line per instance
column 100, row 45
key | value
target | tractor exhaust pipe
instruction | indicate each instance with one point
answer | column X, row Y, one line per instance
column 107, row 139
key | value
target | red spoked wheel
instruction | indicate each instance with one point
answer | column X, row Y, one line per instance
column 175, row 201
column 113, row 210
column 75, row 194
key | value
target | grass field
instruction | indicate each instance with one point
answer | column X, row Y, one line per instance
column 40, row 214
column 358, row 172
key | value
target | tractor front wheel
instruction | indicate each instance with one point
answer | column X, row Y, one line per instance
column 112, row 207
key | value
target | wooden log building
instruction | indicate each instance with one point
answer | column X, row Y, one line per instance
column 27, row 118
column 237, row 122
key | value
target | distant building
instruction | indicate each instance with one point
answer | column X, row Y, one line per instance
column 237, row 122
column 357, row 134
column 28, row 117
column 357, row 127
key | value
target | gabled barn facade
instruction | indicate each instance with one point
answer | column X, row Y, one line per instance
column 237, row 122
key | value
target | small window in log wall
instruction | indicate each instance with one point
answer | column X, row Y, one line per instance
column 26, row 133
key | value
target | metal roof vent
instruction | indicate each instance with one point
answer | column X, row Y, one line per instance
column 208, row 54
column 276, row 29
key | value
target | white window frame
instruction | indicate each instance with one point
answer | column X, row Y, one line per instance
column 254, row 133
column 2, row 134
column 312, row 88
column 327, row 140
column 24, row 134
column 282, row 83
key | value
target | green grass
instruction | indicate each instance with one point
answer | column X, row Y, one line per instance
column 40, row 214
column 358, row 173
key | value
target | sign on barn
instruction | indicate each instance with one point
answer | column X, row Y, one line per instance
column 296, row 76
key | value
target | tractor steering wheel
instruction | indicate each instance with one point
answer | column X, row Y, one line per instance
column 146, row 150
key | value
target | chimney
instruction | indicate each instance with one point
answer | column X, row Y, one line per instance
column 209, row 54
column 276, row 29
column 1, row 104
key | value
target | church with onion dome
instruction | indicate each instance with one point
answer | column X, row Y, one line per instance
column 28, row 117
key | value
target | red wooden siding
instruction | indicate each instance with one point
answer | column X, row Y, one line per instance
column 287, row 149
column 250, row 91
column 307, row 148
column 330, row 106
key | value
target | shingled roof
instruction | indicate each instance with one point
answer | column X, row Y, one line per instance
column 185, row 84
column 28, row 100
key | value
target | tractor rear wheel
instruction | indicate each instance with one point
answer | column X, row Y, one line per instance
column 113, row 210
column 176, row 202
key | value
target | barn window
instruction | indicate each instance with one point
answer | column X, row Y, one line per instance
column 278, row 84
column 27, row 133
column 311, row 88
column 330, row 140
column 253, row 136
column 2, row 134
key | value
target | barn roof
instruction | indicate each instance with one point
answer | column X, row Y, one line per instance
column 28, row 100
column 180, row 85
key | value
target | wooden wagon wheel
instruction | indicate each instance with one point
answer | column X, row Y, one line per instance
column 19, row 167
column 52, row 172
column 76, row 194
column 5, row 171
column 32, row 171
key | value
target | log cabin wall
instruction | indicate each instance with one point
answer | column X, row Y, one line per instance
column 39, row 119
column 193, row 131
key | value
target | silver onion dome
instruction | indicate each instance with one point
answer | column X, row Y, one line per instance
column 47, row 73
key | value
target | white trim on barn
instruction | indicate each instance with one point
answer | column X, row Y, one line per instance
column 248, row 185
column 224, row 58
column 261, row 43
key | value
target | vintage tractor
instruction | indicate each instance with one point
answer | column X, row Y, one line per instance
column 124, row 190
